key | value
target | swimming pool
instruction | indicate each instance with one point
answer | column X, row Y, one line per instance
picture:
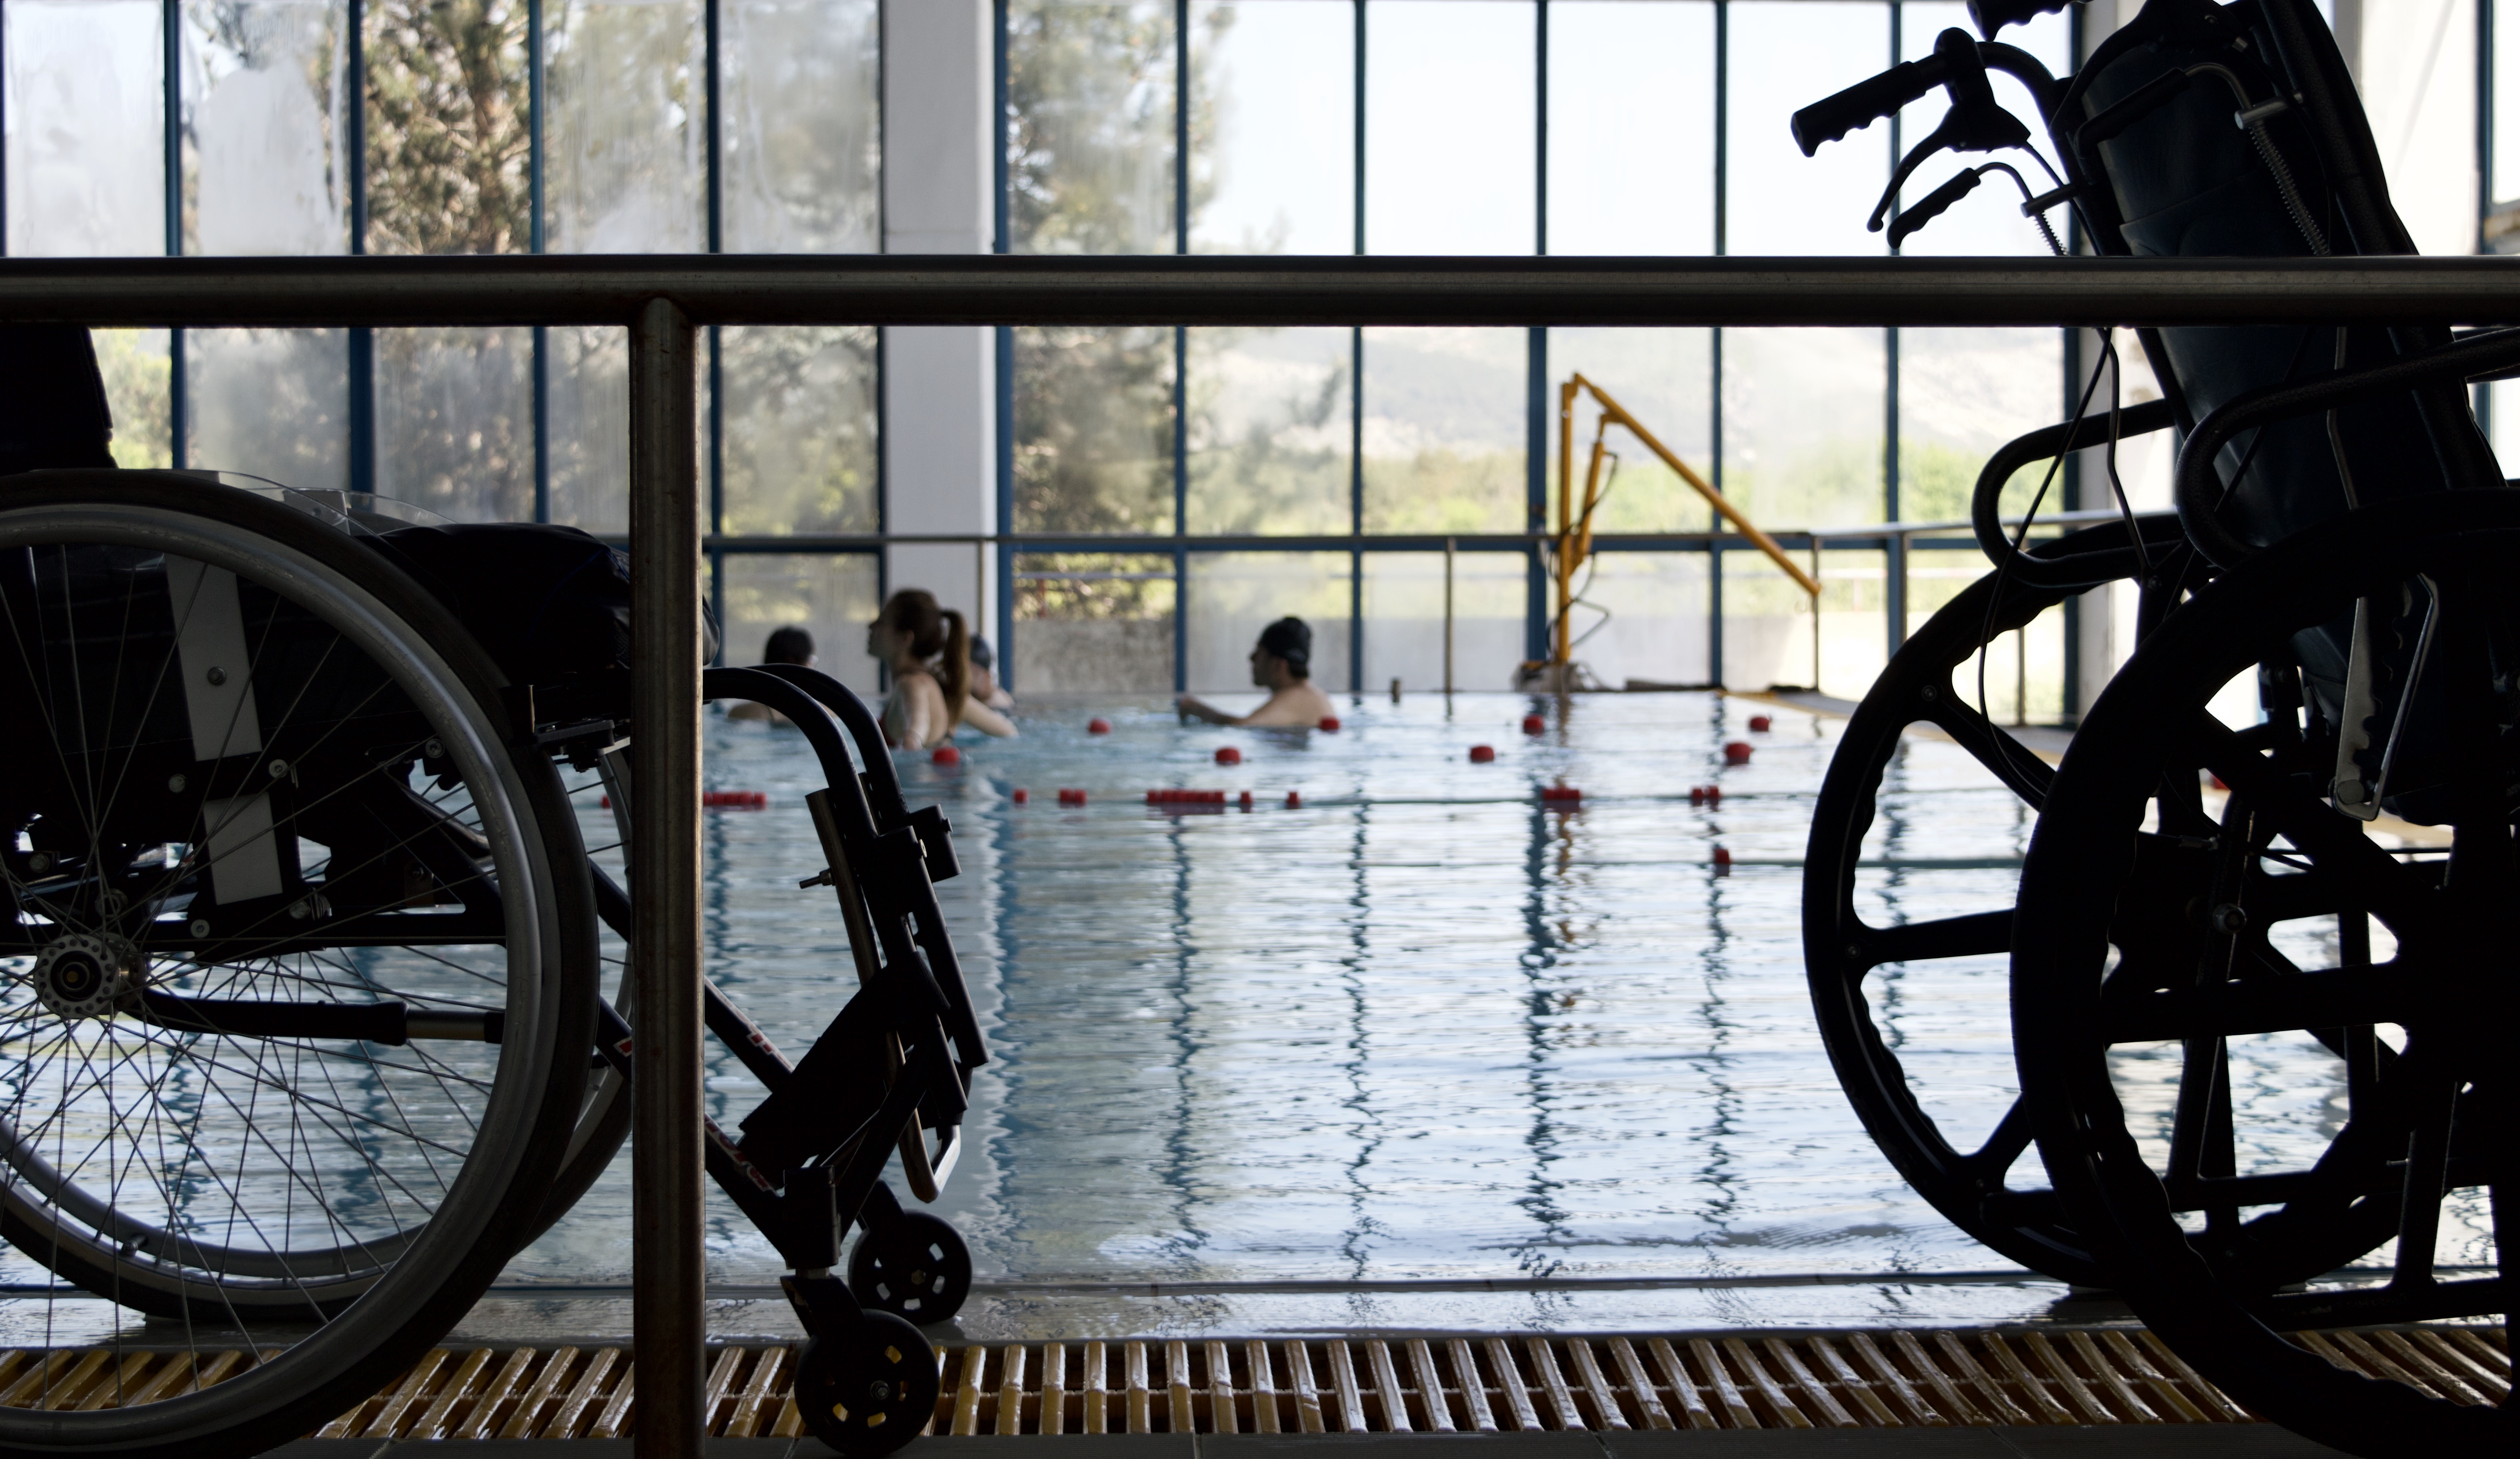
column 1426, row 1051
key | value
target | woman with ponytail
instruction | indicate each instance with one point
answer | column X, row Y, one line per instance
column 928, row 650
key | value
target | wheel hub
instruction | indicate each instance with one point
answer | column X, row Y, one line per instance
column 83, row 976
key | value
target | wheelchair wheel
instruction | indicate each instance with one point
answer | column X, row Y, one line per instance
column 913, row 1265
column 294, row 945
column 2211, row 1112
column 1843, row 953
column 871, row 1389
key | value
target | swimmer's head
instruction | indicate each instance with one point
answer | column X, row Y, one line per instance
column 790, row 644
column 1284, row 655
column 910, row 624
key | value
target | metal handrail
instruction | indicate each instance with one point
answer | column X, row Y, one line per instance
column 660, row 299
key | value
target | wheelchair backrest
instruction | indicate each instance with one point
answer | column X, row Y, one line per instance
column 2235, row 131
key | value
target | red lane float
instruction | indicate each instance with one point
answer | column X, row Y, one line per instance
column 1185, row 797
column 1706, row 795
column 1561, row 794
column 1246, row 800
column 731, row 800
column 1071, row 798
column 1329, row 722
column 1760, row 724
column 1022, row 797
column 1722, row 862
column 1533, row 724
column 1294, row 801
column 1227, row 755
column 1482, row 755
column 1097, row 726
column 947, row 755
column 1737, row 753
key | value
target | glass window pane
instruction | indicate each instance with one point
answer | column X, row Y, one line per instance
column 1444, row 442
column 447, row 128
column 455, row 421
column 1989, row 220
column 800, row 424
column 86, row 122
column 1093, row 623
column 1272, row 127
column 1450, row 126
column 1963, row 392
column 2506, row 100
column 1664, row 378
column 270, row 403
column 262, row 106
column 1854, row 621
column 1785, row 55
column 1270, row 443
column 802, row 167
column 1234, row 594
column 590, row 424
column 1802, row 418
column 1630, row 126
column 136, row 370
column 623, row 170
column 830, row 596
column 1404, row 620
column 1093, row 430
column 1641, row 616
column 1090, row 127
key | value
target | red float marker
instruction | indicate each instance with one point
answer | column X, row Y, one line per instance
column 1071, row 798
column 947, row 755
column 1560, row 794
column 1022, row 797
column 1482, row 755
column 1722, row 862
column 1246, row 800
column 1329, row 722
column 1760, row 724
column 1227, row 755
column 1737, row 753
column 1294, row 801
column 1533, row 724
column 1097, row 726
column 727, row 800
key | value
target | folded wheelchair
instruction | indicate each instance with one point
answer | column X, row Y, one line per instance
column 2342, row 535
column 309, row 986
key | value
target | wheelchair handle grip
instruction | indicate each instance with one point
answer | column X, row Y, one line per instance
column 1991, row 16
column 1866, row 102
column 1931, row 207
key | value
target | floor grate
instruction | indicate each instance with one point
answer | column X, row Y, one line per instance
column 1890, row 1379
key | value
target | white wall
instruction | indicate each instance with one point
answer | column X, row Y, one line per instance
column 940, row 384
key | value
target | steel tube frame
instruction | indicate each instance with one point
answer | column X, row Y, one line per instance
column 663, row 300
column 667, row 1327
column 989, row 289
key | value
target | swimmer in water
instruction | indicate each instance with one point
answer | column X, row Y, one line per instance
column 788, row 645
column 1281, row 662
column 928, row 701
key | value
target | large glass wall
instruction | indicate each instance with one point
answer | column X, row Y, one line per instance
column 1164, row 480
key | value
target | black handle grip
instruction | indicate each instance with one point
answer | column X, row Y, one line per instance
column 1931, row 207
column 1991, row 16
column 1864, row 102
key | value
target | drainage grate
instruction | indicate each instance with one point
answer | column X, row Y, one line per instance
column 1888, row 1380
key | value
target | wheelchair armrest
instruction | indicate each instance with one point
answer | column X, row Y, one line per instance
column 2196, row 490
column 1986, row 506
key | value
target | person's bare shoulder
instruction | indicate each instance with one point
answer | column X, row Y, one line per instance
column 1299, row 704
column 986, row 720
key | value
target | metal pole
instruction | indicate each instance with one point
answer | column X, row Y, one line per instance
column 1815, row 603
column 1448, row 615
column 665, row 1250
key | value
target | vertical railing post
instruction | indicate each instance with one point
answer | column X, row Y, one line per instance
column 666, row 1250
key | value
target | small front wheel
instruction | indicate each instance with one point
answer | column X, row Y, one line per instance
column 871, row 1389
column 913, row 1266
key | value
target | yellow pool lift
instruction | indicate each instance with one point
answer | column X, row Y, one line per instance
column 1575, row 528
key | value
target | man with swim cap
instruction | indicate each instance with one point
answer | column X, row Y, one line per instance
column 1281, row 662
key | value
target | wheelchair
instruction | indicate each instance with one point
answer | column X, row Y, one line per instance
column 2342, row 540
column 305, row 981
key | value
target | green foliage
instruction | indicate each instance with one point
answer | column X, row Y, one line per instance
column 1286, row 471
column 1093, row 430
column 1069, row 586
column 448, row 135
column 136, row 376
column 799, row 429
column 1445, row 491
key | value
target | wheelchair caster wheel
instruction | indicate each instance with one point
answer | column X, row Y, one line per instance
column 913, row 1266
column 870, row 1390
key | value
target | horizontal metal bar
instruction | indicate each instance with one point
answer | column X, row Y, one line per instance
column 913, row 290
column 1834, row 538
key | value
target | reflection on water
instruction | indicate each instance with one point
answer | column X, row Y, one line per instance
column 1419, row 1029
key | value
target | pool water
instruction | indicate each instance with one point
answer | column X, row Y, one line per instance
column 1423, row 1050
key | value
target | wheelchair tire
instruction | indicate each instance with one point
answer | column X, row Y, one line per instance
column 300, row 1120
column 871, row 1389
column 2437, row 1107
column 1841, row 951
column 913, row 1265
